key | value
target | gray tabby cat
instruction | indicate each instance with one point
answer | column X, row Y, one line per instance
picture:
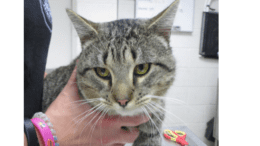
column 126, row 63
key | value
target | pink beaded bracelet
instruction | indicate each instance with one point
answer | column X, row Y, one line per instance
column 48, row 124
column 44, row 130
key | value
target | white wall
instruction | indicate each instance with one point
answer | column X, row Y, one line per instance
column 196, row 77
column 60, row 47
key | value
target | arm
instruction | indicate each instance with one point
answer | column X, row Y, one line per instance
column 25, row 140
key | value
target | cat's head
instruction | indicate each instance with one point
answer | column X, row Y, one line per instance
column 124, row 62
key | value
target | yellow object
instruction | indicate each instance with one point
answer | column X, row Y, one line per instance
column 172, row 135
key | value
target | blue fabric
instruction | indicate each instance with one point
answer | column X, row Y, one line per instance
column 30, row 133
column 37, row 35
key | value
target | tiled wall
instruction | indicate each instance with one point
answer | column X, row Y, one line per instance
column 195, row 83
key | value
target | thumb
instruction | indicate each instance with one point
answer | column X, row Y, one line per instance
column 71, row 88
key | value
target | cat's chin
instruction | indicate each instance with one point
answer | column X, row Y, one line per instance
column 127, row 112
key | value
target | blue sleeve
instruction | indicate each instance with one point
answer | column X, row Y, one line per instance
column 37, row 35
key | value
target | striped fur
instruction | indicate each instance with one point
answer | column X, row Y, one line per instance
column 120, row 46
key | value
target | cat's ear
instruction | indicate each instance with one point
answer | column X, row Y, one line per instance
column 85, row 28
column 163, row 21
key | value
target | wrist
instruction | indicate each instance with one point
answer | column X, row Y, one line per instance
column 44, row 129
column 39, row 137
column 25, row 140
column 30, row 137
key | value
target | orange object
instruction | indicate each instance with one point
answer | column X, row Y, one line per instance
column 50, row 142
column 177, row 136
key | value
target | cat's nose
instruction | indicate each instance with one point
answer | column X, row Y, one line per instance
column 123, row 102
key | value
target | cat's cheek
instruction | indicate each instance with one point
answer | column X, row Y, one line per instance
column 87, row 92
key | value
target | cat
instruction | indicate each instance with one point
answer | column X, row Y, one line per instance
column 127, row 63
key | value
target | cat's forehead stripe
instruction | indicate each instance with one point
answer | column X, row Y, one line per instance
column 133, row 54
column 124, row 52
column 105, row 57
column 124, row 28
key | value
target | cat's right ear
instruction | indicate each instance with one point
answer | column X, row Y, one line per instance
column 86, row 29
column 163, row 21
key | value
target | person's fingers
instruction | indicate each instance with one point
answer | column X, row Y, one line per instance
column 72, row 80
column 121, row 136
column 70, row 91
column 118, row 144
column 71, row 87
column 71, row 84
column 133, row 121
column 128, row 136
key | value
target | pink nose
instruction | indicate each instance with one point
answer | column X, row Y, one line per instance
column 123, row 102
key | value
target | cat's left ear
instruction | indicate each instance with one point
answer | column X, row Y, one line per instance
column 163, row 21
column 86, row 29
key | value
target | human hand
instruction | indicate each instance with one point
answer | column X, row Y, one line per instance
column 76, row 126
column 45, row 74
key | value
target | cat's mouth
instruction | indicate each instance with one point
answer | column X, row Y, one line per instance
column 132, row 108
column 130, row 112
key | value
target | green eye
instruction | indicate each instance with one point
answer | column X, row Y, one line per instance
column 102, row 72
column 142, row 69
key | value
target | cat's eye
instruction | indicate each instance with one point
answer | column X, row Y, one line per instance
column 141, row 69
column 103, row 72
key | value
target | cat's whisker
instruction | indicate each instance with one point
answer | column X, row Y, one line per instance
column 167, row 98
column 103, row 118
column 150, row 120
column 94, row 125
column 194, row 111
column 170, row 99
column 93, row 108
column 147, row 114
column 73, row 124
column 158, row 110
column 164, row 97
column 101, row 106
column 79, row 121
column 86, row 126
column 101, row 123
column 102, row 114
column 169, row 119
column 87, row 111
column 84, row 100
column 154, row 112
column 174, row 100
column 80, row 104
column 96, row 114
column 168, row 112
